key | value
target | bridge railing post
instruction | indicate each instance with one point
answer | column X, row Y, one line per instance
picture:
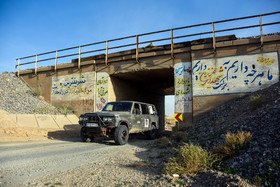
column 36, row 65
column 18, row 61
column 261, row 30
column 172, row 44
column 55, row 65
column 106, row 57
column 214, row 38
column 79, row 61
column 137, row 49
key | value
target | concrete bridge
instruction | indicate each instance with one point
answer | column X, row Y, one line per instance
column 202, row 74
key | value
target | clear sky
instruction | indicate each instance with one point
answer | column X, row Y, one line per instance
column 29, row 27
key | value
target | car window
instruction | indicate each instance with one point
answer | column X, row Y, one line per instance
column 144, row 109
column 152, row 110
column 136, row 109
column 118, row 106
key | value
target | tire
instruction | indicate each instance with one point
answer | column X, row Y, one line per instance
column 152, row 134
column 121, row 135
column 83, row 135
column 91, row 139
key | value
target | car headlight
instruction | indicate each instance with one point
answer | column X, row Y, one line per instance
column 82, row 118
column 108, row 119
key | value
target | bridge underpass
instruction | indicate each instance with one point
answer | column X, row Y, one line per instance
column 147, row 86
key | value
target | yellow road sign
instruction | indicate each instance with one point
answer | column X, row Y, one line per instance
column 178, row 117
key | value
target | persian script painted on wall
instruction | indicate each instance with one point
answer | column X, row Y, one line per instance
column 73, row 87
column 235, row 74
column 183, row 89
column 102, row 90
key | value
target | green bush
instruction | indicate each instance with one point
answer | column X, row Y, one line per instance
column 233, row 143
column 256, row 101
column 189, row 159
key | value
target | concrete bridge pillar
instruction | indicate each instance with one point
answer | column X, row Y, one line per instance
column 183, row 92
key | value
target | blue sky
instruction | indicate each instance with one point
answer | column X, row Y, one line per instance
column 29, row 27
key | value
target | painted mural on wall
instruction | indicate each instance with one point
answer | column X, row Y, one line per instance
column 73, row 87
column 183, row 92
column 234, row 74
column 102, row 90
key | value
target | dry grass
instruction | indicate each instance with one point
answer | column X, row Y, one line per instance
column 178, row 128
column 163, row 142
column 189, row 159
column 256, row 101
column 138, row 164
column 233, row 143
column 179, row 137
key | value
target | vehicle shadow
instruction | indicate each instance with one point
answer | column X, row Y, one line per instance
column 68, row 133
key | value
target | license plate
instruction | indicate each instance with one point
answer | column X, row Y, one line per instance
column 92, row 124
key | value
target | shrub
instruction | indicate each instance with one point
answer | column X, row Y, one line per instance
column 64, row 109
column 256, row 101
column 163, row 142
column 179, row 136
column 233, row 143
column 189, row 159
column 45, row 110
column 138, row 164
column 177, row 128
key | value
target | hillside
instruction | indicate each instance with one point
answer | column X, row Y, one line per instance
column 260, row 161
column 17, row 97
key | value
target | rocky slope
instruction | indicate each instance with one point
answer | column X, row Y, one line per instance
column 17, row 97
column 260, row 162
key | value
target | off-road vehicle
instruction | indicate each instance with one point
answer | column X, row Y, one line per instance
column 118, row 119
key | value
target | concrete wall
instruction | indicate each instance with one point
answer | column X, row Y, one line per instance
column 247, row 52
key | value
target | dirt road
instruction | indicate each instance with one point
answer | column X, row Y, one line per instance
column 73, row 163
column 101, row 163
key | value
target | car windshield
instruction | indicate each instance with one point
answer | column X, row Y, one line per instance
column 118, row 106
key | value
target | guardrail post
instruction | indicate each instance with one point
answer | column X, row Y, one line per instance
column 261, row 30
column 106, row 57
column 36, row 65
column 79, row 62
column 172, row 44
column 18, row 66
column 137, row 50
column 214, row 38
column 55, row 66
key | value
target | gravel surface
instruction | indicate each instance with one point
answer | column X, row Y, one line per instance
column 17, row 97
column 101, row 163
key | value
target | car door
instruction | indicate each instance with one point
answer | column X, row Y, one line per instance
column 137, row 119
column 145, row 117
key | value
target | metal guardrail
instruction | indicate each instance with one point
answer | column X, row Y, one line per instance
column 137, row 43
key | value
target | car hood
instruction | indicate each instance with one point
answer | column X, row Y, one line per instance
column 107, row 113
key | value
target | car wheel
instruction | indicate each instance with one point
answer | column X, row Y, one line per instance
column 83, row 134
column 121, row 135
column 152, row 134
